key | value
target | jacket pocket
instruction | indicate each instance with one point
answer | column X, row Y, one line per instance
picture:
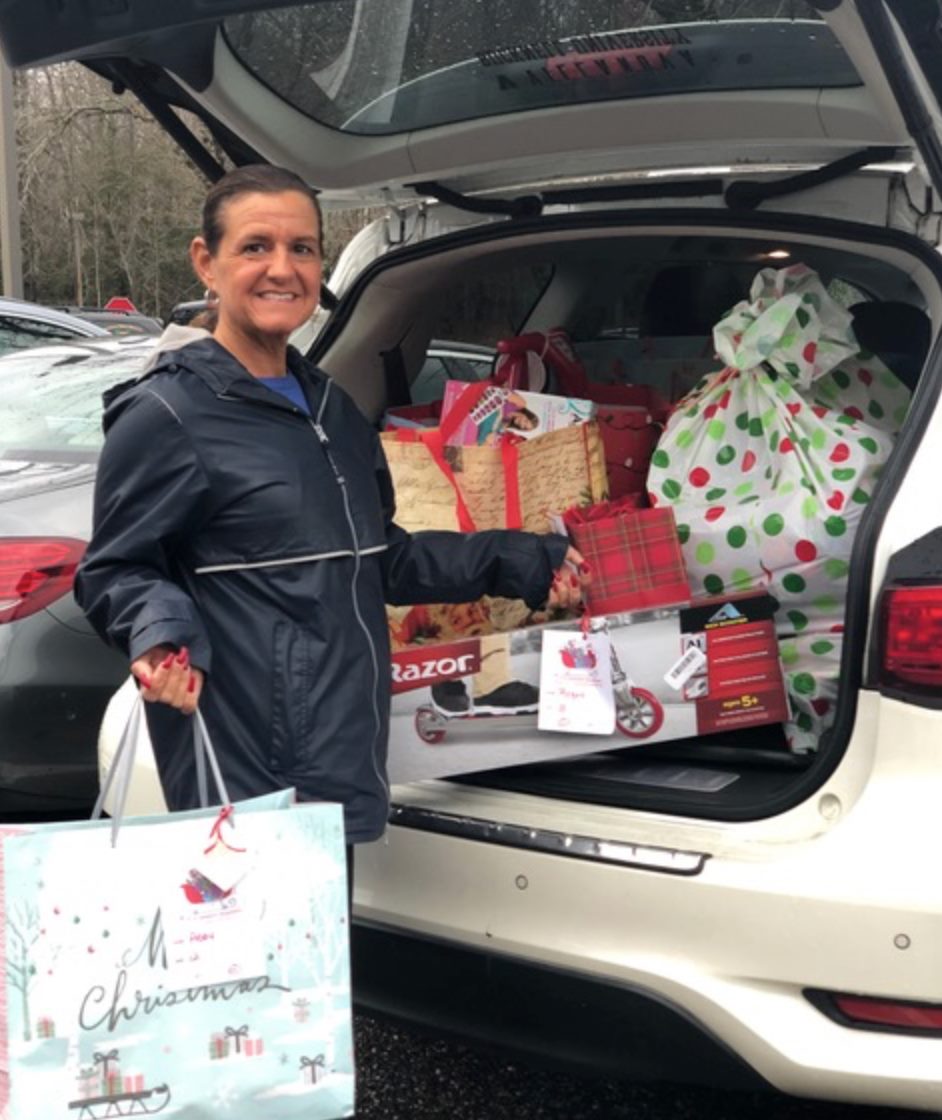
column 294, row 656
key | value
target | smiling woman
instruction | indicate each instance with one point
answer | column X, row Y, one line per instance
column 244, row 547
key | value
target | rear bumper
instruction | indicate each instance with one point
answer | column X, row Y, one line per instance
column 543, row 1014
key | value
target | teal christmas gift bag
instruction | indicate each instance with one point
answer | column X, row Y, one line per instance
column 194, row 966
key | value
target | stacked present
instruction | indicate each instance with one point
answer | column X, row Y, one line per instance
column 133, row 1082
column 89, row 1082
column 769, row 465
column 110, row 1083
column 218, row 1045
column 310, row 1068
column 302, row 1009
column 253, row 1047
column 45, row 1028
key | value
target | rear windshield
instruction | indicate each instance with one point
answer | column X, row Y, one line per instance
column 386, row 66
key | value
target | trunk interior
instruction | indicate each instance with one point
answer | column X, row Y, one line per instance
column 638, row 295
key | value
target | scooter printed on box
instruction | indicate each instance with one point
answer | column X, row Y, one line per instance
column 676, row 673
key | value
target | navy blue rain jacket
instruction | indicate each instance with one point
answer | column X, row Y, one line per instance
column 228, row 521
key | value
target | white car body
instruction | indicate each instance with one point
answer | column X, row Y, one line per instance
column 730, row 936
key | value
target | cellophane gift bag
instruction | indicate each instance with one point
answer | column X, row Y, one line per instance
column 769, row 464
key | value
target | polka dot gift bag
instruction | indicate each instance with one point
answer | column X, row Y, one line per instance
column 769, row 464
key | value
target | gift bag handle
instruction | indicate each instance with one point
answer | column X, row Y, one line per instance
column 122, row 767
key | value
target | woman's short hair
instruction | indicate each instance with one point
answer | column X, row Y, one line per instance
column 253, row 178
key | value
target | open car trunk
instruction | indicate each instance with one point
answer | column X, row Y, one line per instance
column 638, row 295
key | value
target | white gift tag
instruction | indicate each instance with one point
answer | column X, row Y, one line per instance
column 210, row 918
column 576, row 693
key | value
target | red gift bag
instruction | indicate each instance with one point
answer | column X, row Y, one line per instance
column 634, row 555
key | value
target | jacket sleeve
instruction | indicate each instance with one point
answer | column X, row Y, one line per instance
column 150, row 492
column 443, row 567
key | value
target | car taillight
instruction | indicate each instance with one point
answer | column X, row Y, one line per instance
column 900, row 1016
column 34, row 572
column 911, row 649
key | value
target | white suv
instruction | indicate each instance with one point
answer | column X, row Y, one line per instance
column 719, row 908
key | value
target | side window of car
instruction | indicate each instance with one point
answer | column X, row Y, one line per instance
column 473, row 316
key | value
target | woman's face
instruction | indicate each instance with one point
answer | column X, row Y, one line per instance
column 266, row 270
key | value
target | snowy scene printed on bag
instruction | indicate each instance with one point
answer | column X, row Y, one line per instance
column 769, row 464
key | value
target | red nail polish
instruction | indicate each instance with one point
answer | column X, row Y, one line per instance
column 167, row 661
column 191, row 684
column 573, row 582
column 145, row 681
column 183, row 657
column 584, row 567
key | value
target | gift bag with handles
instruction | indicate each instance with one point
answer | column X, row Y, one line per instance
column 194, row 964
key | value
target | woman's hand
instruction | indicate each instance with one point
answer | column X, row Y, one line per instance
column 168, row 677
column 572, row 577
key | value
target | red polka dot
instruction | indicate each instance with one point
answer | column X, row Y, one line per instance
column 699, row 476
column 786, row 445
column 710, row 411
column 836, row 500
column 838, row 628
column 819, row 411
column 809, row 351
column 725, row 399
column 840, row 454
column 714, row 513
column 794, row 408
column 822, row 707
column 748, row 461
column 653, row 499
column 91, row 948
column 852, row 410
column 865, row 376
column 806, row 551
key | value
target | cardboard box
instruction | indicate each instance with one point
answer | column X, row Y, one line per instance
column 678, row 672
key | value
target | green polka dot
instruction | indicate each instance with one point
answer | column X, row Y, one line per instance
column 845, row 419
column 786, row 488
column 692, row 412
column 660, row 458
column 742, row 421
column 868, row 444
column 889, row 380
column 809, row 508
column 793, row 583
column 798, row 620
column 822, row 647
column 841, row 378
column 713, row 584
column 725, row 455
column 743, row 488
column 755, row 426
column 715, row 494
column 683, row 533
column 828, row 391
column 671, row 489
column 736, row 537
column 788, row 653
column 804, row 721
column 716, row 429
column 768, row 418
column 768, row 473
column 705, row 553
column 861, row 497
column 684, row 438
column 876, row 410
column 843, row 474
column 773, row 441
column 836, row 569
column 741, row 579
column 748, row 499
column 787, row 341
column 835, row 526
column 827, row 604
column 819, row 438
column 803, row 684
column 773, row 524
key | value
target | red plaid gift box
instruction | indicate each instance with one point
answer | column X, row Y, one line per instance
column 634, row 555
